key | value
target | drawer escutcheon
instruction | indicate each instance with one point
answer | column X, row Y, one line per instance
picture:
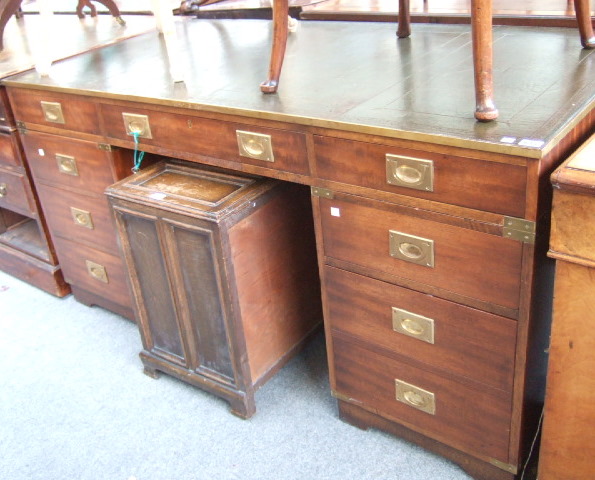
column 98, row 272
column 3, row 190
column 415, row 397
column 410, row 172
column 136, row 124
column 412, row 249
column 413, row 325
column 82, row 218
column 67, row 165
column 52, row 112
column 255, row 145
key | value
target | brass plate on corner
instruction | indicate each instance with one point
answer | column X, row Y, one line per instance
column 410, row 172
column 82, row 218
column 98, row 272
column 519, row 229
column 52, row 112
column 413, row 325
column 67, row 165
column 412, row 249
column 135, row 123
column 415, row 397
column 255, row 145
column 322, row 192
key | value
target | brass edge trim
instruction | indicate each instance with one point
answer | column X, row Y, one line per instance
column 482, row 145
column 344, row 398
column 504, row 466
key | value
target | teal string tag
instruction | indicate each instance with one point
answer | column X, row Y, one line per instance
column 138, row 156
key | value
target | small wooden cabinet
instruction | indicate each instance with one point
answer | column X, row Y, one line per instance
column 569, row 413
column 224, row 274
column 26, row 250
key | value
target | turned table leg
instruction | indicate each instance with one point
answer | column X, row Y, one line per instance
column 585, row 27
column 404, row 20
column 280, row 31
column 481, row 31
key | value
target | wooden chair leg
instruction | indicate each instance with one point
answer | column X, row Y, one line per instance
column 583, row 18
column 280, row 31
column 7, row 9
column 481, row 31
column 404, row 20
column 109, row 4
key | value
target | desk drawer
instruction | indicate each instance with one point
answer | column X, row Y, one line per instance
column 390, row 240
column 80, row 217
column 447, row 336
column 437, row 406
column 50, row 109
column 482, row 185
column 98, row 272
column 9, row 152
column 15, row 193
column 69, row 162
column 212, row 138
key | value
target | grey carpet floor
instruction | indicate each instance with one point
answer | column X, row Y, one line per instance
column 74, row 404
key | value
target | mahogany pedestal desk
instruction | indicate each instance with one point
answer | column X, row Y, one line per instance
column 569, row 415
column 431, row 228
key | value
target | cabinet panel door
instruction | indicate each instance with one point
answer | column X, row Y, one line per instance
column 86, row 219
column 68, row 162
column 15, row 193
column 465, row 262
column 9, row 153
column 427, row 330
column 437, row 406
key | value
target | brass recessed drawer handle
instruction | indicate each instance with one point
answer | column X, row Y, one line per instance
column 411, row 248
column 255, row 145
column 96, row 271
column 136, row 124
column 67, row 165
column 415, row 397
column 3, row 190
column 413, row 325
column 82, row 218
column 52, row 112
column 410, row 172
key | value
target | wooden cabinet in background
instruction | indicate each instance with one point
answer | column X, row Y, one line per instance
column 224, row 274
column 569, row 413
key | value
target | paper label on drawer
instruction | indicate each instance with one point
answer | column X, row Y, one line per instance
column 41, row 152
column 157, row 196
column 335, row 211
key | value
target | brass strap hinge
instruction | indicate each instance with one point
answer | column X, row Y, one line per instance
column 21, row 127
column 519, row 229
column 504, row 466
column 104, row 146
column 322, row 192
